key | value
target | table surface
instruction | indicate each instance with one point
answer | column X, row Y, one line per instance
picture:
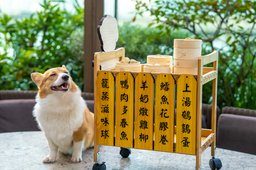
column 25, row 150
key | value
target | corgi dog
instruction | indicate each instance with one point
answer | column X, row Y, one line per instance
column 62, row 114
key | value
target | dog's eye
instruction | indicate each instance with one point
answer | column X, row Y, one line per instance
column 53, row 74
column 66, row 72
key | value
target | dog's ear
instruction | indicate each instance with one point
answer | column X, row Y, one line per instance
column 63, row 66
column 37, row 78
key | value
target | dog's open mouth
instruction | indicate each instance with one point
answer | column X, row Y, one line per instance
column 62, row 87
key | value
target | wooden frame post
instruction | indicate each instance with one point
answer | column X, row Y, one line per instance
column 214, row 107
column 199, row 114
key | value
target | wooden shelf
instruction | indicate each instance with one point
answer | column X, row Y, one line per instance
column 206, row 59
column 209, row 77
column 206, row 142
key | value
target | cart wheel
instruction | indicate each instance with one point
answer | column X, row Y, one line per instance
column 215, row 163
column 125, row 152
column 98, row 166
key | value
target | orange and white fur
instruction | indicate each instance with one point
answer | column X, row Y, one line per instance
column 62, row 114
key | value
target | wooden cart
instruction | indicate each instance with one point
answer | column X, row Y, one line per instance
column 137, row 110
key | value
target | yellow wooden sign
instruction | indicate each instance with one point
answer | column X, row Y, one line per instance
column 144, row 97
column 164, row 113
column 186, row 114
column 124, row 109
column 105, row 108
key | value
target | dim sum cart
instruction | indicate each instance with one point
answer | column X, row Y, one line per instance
column 137, row 109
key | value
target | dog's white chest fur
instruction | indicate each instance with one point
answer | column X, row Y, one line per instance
column 59, row 116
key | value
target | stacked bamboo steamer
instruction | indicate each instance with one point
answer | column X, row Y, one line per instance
column 128, row 65
column 186, row 53
column 158, row 64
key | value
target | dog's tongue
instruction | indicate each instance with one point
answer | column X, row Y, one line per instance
column 64, row 86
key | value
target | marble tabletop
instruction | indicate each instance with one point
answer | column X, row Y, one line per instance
column 25, row 151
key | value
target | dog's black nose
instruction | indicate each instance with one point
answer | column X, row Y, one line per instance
column 65, row 77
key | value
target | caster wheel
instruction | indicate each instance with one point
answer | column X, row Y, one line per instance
column 98, row 166
column 125, row 152
column 215, row 163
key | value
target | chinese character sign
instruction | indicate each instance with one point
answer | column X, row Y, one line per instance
column 186, row 114
column 124, row 109
column 105, row 108
column 164, row 113
column 144, row 97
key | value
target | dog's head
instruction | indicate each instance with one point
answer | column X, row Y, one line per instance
column 54, row 80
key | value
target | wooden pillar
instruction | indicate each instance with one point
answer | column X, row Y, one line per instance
column 92, row 15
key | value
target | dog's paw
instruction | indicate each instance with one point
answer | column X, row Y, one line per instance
column 49, row 160
column 76, row 159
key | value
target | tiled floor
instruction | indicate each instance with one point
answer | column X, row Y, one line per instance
column 26, row 150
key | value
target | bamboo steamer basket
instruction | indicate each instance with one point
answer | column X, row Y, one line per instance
column 156, row 68
column 128, row 67
column 185, row 70
column 186, row 54
column 159, row 59
column 186, row 62
column 187, row 48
